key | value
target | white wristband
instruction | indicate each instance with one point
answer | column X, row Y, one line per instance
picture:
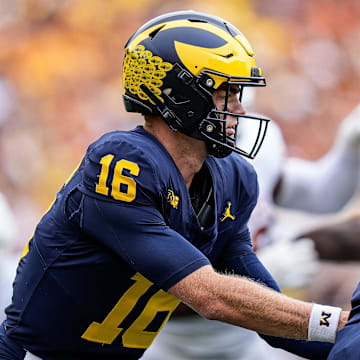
column 323, row 323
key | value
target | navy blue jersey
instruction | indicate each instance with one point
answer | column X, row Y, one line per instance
column 93, row 281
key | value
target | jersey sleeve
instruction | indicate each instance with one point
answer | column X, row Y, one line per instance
column 139, row 235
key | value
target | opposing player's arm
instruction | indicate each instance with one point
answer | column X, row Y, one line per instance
column 337, row 241
column 244, row 303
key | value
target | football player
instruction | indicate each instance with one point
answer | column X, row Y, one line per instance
column 158, row 215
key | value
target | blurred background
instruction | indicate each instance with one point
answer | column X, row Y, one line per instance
column 60, row 79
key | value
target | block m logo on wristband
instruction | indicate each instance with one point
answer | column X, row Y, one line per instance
column 324, row 319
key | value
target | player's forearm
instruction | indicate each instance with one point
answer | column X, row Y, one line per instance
column 259, row 308
column 251, row 305
column 247, row 304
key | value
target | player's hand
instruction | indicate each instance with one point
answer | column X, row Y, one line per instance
column 291, row 263
column 349, row 130
column 344, row 317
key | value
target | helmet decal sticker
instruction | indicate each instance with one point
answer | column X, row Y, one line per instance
column 141, row 67
column 167, row 39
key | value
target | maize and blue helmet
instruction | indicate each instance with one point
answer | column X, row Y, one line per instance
column 175, row 62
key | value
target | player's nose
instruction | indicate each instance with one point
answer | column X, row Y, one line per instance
column 231, row 120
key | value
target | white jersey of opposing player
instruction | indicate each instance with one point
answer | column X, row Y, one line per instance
column 325, row 185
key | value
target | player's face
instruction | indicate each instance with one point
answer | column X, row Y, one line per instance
column 233, row 105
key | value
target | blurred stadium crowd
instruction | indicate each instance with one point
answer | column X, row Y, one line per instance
column 60, row 80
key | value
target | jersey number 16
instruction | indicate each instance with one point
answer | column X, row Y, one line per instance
column 118, row 179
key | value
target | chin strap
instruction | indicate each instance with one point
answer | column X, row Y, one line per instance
column 216, row 148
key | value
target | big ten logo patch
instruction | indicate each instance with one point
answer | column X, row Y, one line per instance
column 173, row 199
